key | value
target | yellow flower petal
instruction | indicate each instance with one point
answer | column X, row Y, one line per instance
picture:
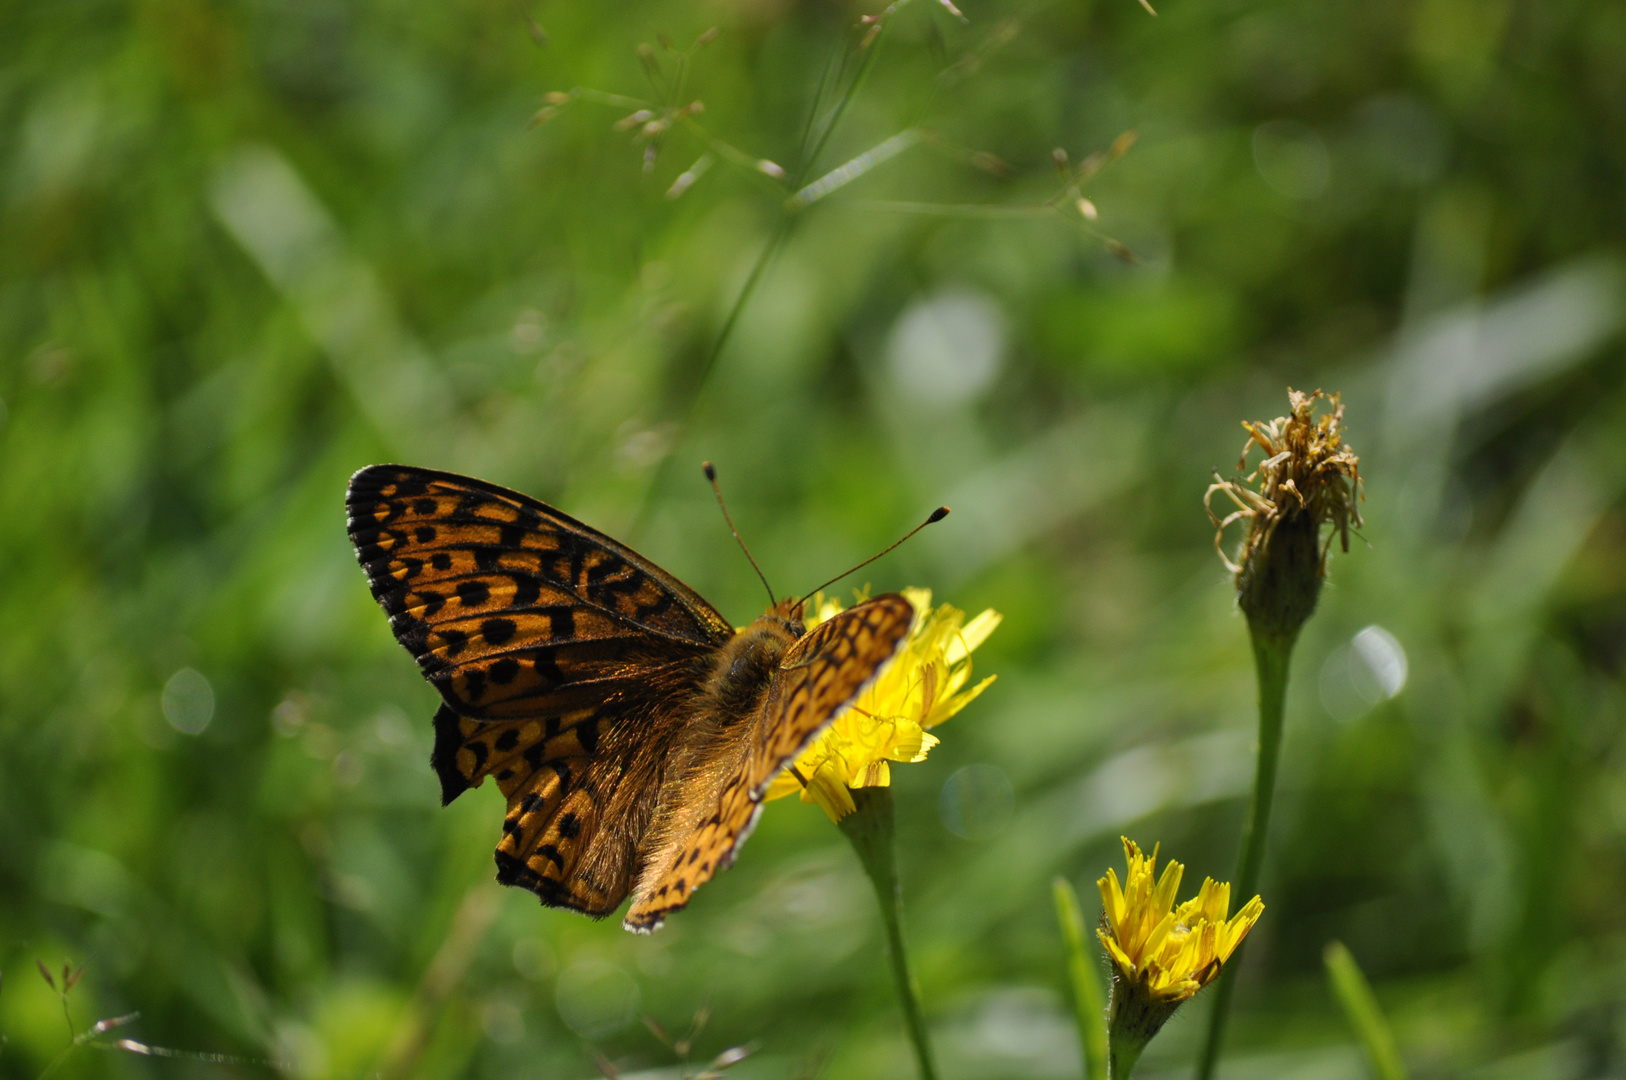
column 1115, row 951
column 975, row 633
column 1168, row 885
column 954, row 704
column 826, row 788
column 1112, row 898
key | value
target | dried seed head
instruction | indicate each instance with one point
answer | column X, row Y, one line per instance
column 1307, row 479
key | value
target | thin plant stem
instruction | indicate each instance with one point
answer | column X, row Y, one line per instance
column 783, row 230
column 870, row 829
column 846, row 99
column 1272, row 655
column 775, row 242
column 788, row 223
column 781, row 234
column 836, row 58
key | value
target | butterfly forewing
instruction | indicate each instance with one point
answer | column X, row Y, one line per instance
column 820, row 675
column 507, row 603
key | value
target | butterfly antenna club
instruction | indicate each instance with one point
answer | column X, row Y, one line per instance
column 931, row 519
column 711, row 474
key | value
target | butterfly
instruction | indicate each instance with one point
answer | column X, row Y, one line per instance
column 632, row 729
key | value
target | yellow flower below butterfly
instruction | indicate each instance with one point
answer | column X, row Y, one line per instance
column 1162, row 954
column 924, row 685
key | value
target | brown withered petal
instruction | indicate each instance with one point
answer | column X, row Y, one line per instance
column 1308, row 478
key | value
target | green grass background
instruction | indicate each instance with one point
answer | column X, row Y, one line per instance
column 247, row 247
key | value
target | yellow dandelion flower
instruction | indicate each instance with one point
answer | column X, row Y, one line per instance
column 923, row 685
column 1172, row 951
column 1161, row 953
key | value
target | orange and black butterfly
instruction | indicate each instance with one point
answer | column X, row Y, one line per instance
column 632, row 730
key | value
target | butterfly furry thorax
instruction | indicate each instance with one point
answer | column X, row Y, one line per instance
column 631, row 729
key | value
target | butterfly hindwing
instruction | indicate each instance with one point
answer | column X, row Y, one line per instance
column 510, row 607
column 819, row 676
column 578, row 801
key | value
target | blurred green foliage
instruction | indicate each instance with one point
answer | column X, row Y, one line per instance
column 248, row 247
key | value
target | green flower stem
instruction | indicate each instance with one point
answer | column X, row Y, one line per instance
column 1088, row 1007
column 1134, row 1018
column 1124, row 1050
column 1272, row 654
column 870, row 830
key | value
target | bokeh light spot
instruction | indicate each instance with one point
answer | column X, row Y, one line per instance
column 1292, row 158
column 188, row 701
column 1383, row 664
column 534, row 959
column 976, row 802
column 596, row 999
column 1370, row 669
column 946, row 349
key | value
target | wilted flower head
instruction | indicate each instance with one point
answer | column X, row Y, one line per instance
column 923, row 685
column 1308, row 478
column 1162, row 954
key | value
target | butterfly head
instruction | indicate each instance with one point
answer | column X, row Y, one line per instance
column 786, row 615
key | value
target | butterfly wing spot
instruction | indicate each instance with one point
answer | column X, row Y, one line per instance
column 497, row 631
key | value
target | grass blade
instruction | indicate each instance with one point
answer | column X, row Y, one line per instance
column 1360, row 1007
column 1089, row 1008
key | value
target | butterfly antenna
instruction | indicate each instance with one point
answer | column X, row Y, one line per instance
column 711, row 474
column 936, row 515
